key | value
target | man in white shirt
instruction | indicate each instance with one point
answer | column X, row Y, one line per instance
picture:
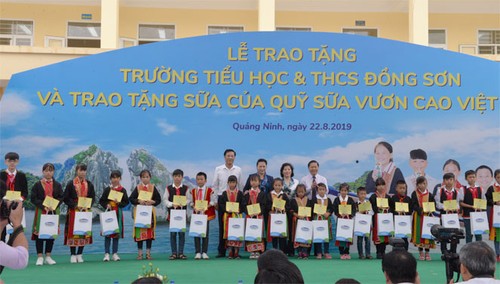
column 478, row 263
column 219, row 184
column 312, row 180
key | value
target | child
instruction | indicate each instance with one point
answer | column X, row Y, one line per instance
column 255, row 196
column 203, row 193
column 115, row 205
column 444, row 193
column 466, row 198
column 418, row 197
column 343, row 199
column 145, row 234
column 177, row 188
column 14, row 180
column 362, row 199
column 300, row 200
column 232, row 194
column 277, row 193
column 380, row 193
column 401, row 197
column 322, row 199
column 78, row 187
column 494, row 232
column 47, row 186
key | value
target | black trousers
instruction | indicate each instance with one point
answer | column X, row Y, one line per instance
column 222, row 244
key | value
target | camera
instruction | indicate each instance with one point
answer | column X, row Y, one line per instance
column 5, row 208
column 446, row 235
column 397, row 244
column 450, row 256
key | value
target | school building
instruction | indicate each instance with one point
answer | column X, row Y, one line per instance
column 36, row 33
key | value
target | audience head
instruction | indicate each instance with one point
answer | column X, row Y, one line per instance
column 400, row 266
column 274, row 267
column 477, row 260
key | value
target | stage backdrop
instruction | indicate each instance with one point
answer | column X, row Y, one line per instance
column 283, row 96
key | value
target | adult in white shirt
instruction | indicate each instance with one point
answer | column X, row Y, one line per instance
column 477, row 263
column 219, row 184
column 312, row 180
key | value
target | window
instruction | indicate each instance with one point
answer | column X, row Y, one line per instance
column 84, row 35
column 437, row 38
column 154, row 33
column 223, row 29
column 365, row 32
column 293, row 29
column 14, row 32
column 488, row 42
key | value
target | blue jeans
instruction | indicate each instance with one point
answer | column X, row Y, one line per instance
column 173, row 242
column 468, row 232
column 367, row 245
column 107, row 243
column 497, row 247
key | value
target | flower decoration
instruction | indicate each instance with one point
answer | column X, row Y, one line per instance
column 150, row 271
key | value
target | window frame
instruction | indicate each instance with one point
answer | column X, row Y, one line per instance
column 439, row 45
column 496, row 46
column 358, row 28
column 13, row 37
column 82, row 38
column 227, row 26
column 150, row 39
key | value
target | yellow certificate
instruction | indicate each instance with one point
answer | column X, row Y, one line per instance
column 180, row 200
column 253, row 209
column 402, row 207
column 319, row 209
column 450, row 205
column 382, row 202
column 304, row 211
column 50, row 202
column 115, row 195
column 479, row 203
column 84, row 202
column 279, row 204
column 364, row 207
column 13, row 195
column 345, row 209
column 496, row 196
column 233, row 207
column 429, row 207
column 145, row 195
column 201, row 205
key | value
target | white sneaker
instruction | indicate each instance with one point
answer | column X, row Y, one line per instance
column 39, row 261
column 197, row 256
column 116, row 257
column 252, row 255
column 73, row 259
column 49, row 260
column 257, row 254
column 106, row 257
column 79, row 258
column 205, row 255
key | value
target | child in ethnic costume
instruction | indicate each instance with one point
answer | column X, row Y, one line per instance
column 115, row 205
column 47, row 186
column 78, row 187
column 494, row 232
column 418, row 197
column 470, row 192
column 232, row 194
column 179, row 189
column 200, row 193
column 300, row 200
column 256, row 196
column 278, row 193
column 322, row 199
column 145, row 234
column 380, row 194
column 402, row 197
column 343, row 199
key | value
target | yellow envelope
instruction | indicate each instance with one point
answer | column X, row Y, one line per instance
column 429, row 207
column 402, row 207
column 345, row 209
column 319, row 209
column 50, row 202
column 382, row 202
column 479, row 203
column 233, row 207
column 13, row 195
column 253, row 209
column 180, row 200
column 115, row 195
column 279, row 204
column 84, row 202
column 365, row 206
column 496, row 196
column 450, row 205
column 304, row 211
column 201, row 205
column 145, row 195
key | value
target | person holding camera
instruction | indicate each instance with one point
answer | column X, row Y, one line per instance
column 13, row 254
column 477, row 263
